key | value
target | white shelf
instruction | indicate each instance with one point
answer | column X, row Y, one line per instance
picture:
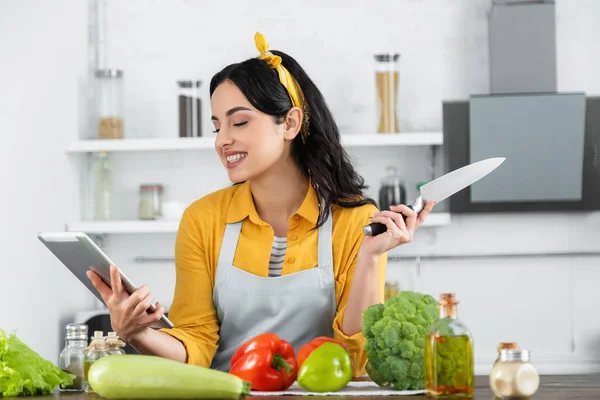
column 151, row 144
column 132, row 227
column 435, row 219
column 158, row 144
column 393, row 139
column 115, row 227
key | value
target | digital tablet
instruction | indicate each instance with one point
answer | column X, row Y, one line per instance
column 80, row 254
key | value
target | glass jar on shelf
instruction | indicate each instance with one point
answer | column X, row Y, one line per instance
column 189, row 108
column 102, row 187
column 150, row 203
column 392, row 191
column 390, row 290
column 387, row 78
column 72, row 357
column 109, row 103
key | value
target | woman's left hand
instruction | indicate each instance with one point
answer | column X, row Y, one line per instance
column 398, row 232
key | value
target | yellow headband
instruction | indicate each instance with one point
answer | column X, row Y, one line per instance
column 286, row 79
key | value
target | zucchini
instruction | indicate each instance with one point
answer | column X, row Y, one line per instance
column 133, row 376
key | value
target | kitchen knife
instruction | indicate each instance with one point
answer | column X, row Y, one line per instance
column 443, row 187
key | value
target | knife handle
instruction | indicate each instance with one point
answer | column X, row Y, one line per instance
column 377, row 228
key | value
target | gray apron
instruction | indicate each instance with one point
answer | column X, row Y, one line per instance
column 297, row 307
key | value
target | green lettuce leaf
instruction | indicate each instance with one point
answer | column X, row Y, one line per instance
column 23, row 372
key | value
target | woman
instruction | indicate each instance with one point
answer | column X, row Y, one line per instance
column 282, row 250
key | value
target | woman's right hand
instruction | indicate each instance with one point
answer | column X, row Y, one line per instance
column 128, row 315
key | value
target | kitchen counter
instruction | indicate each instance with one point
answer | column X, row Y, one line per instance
column 552, row 387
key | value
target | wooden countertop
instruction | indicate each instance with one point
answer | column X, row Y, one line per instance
column 552, row 387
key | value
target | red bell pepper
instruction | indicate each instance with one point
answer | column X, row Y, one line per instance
column 308, row 348
column 267, row 362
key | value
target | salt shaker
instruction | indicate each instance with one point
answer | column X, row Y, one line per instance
column 71, row 359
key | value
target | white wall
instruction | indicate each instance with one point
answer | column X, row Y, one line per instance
column 43, row 48
column 444, row 56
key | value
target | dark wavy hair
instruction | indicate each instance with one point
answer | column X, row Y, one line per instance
column 321, row 157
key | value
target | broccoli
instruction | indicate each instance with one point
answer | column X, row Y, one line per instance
column 395, row 337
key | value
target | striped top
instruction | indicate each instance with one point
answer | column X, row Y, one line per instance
column 277, row 256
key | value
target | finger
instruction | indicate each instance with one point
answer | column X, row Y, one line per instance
column 426, row 210
column 143, row 305
column 411, row 216
column 137, row 297
column 394, row 216
column 115, row 282
column 392, row 229
column 103, row 289
column 148, row 319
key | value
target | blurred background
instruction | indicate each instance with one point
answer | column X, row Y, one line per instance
column 105, row 128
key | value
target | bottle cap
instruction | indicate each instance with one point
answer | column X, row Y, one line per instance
column 76, row 331
column 508, row 346
column 514, row 355
column 98, row 335
column 448, row 299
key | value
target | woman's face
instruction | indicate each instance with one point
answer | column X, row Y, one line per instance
column 248, row 142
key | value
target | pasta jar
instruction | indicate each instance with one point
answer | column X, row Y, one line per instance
column 513, row 377
column 190, row 108
column 387, row 76
column 150, row 206
column 109, row 103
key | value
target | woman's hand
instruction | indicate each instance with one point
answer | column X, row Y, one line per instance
column 398, row 232
column 128, row 315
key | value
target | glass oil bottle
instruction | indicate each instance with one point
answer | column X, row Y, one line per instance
column 448, row 352
column 95, row 351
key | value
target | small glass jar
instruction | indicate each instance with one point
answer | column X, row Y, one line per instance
column 114, row 345
column 109, row 103
column 387, row 77
column 514, row 377
column 190, row 108
column 72, row 357
column 95, row 351
column 391, row 289
column 150, row 206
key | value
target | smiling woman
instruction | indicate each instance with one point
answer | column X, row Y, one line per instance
column 283, row 249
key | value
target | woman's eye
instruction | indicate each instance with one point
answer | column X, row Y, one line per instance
column 216, row 131
column 241, row 123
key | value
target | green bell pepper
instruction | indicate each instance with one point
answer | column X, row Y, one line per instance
column 327, row 369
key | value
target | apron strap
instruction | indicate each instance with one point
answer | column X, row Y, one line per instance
column 325, row 246
column 229, row 244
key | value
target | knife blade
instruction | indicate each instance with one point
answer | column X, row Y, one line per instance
column 443, row 187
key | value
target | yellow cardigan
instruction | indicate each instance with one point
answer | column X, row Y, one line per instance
column 197, row 251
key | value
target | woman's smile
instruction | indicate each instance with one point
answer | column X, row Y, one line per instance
column 234, row 158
